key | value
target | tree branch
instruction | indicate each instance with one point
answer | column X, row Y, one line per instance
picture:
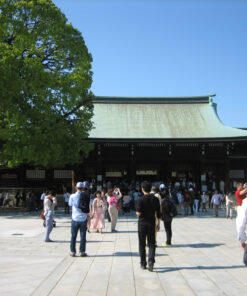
column 78, row 107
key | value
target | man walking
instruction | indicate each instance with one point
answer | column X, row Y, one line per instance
column 216, row 200
column 148, row 207
column 79, row 217
column 66, row 202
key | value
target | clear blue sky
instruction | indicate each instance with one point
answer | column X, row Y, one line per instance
column 167, row 48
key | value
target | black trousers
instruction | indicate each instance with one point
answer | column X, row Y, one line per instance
column 146, row 231
column 66, row 207
column 191, row 209
column 168, row 229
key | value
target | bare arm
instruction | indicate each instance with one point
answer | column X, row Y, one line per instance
column 54, row 202
column 120, row 193
column 138, row 214
column 244, row 191
column 158, row 225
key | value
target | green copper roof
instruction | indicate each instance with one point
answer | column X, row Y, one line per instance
column 159, row 118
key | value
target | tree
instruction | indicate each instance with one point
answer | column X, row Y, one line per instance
column 45, row 101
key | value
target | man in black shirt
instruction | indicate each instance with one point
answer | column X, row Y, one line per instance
column 148, row 207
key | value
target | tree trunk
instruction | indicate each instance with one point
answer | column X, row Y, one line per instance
column 73, row 181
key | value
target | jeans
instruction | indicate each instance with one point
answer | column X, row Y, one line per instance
column 146, row 230
column 168, row 229
column 82, row 227
column 49, row 225
column 186, row 208
column 196, row 205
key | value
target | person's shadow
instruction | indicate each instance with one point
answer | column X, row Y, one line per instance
column 199, row 267
column 196, row 245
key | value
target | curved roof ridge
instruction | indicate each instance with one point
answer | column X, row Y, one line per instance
column 142, row 99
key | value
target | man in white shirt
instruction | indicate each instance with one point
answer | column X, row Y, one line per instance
column 241, row 222
column 204, row 199
column 42, row 198
column 79, row 218
column 216, row 200
column 66, row 202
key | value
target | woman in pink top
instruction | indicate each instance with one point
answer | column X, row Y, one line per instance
column 98, row 211
column 114, row 197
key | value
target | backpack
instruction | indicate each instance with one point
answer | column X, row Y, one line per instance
column 173, row 210
column 169, row 210
column 84, row 202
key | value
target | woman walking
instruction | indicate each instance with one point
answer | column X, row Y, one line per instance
column 229, row 204
column 98, row 212
column 115, row 196
column 50, row 202
column 167, row 214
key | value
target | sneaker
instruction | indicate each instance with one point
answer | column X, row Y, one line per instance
column 150, row 266
column 166, row 244
column 83, row 254
column 72, row 254
column 143, row 266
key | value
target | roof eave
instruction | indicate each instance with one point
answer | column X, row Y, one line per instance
column 169, row 140
column 154, row 100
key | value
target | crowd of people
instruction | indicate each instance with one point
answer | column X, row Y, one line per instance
column 25, row 198
column 188, row 200
column 91, row 205
column 151, row 203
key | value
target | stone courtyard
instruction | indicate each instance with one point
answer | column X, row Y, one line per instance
column 205, row 259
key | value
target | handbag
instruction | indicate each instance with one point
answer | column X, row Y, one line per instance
column 118, row 207
column 42, row 216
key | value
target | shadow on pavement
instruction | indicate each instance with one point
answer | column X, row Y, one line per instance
column 88, row 241
column 199, row 245
column 125, row 254
column 199, row 267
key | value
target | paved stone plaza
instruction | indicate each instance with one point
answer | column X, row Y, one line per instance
column 205, row 259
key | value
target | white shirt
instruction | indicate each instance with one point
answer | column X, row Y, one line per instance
column 42, row 197
column 77, row 214
column 66, row 197
column 204, row 198
column 216, row 199
column 241, row 221
column 229, row 200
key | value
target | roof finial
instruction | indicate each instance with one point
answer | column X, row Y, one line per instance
column 211, row 102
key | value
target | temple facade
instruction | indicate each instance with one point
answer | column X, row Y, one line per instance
column 169, row 139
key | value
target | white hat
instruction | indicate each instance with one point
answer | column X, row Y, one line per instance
column 79, row 185
column 162, row 186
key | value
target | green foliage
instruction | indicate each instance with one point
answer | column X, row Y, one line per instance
column 45, row 70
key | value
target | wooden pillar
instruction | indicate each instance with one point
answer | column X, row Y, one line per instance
column 22, row 177
column 227, row 173
column 132, row 164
